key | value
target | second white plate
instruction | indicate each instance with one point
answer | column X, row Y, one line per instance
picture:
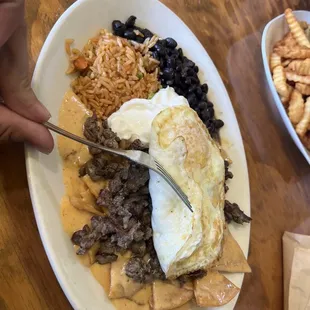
column 273, row 32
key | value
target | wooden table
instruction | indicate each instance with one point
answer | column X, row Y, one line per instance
column 279, row 176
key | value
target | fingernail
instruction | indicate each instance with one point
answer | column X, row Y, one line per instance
column 43, row 150
column 42, row 111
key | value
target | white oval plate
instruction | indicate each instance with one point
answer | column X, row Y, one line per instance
column 273, row 32
column 82, row 21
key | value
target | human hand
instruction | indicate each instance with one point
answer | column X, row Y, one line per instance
column 20, row 113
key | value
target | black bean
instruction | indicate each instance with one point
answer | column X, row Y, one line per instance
column 180, row 51
column 118, row 28
column 208, row 113
column 188, row 81
column 184, row 73
column 190, row 72
column 155, row 55
column 171, row 63
column 130, row 35
column 209, row 104
column 178, row 67
column 211, row 127
column 226, row 188
column 211, row 112
column 177, row 78
column 183, row 86
column 197, row 110
column 195, row 80
column 171, row 43
column 160, row 49
column 162, row 64
column 147, row 33
column 205, row 88
column 196, row 69
column 190, row 63
column 199, row 92
column 204, row 97
column 168, row 73
column 228, row 175
column 219, row 123
column 169, row 82
column 192, row 89
column 162, row 42
column 162, row 80
column 192, row 99
column 139, row 39
column 202, row 105
column 130, row 22
column 174, row 53
column 205, row 115
column 177, row 89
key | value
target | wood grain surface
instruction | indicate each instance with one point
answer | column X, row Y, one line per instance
column 279, row 176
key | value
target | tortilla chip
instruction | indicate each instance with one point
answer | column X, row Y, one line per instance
column 102, row 275
column 94, row 187
column 232, row 258
column 168, row 296
column 80, row 204
column 143, row 296
column 188, row 285
column 121, row 285
column 188, row 306
column 127, row 304
column 214, row 290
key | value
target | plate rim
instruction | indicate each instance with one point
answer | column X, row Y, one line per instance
column 280, row 107
column 30, row 152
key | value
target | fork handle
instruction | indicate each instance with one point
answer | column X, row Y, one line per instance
column 74, row 137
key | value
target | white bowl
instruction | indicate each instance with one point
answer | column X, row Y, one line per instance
column 81, row 21
column 273, row 32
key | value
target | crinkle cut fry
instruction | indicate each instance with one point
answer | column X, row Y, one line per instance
column 275, row 60
column 301, row 67
column 288, row 41
column 286, row 62
column 292, row 76
column 295, row 53
column 279, row 80
column 303, row 125
column 296, row 107
column 296, row 29
column 303, row 88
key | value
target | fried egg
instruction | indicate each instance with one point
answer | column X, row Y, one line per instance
column 186, row 241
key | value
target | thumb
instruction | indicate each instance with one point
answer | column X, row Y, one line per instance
column 14, row 127
column 25, row 103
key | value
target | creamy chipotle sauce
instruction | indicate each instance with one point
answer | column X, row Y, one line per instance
column 77, row 208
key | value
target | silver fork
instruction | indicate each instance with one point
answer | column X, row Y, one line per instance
column 139, row 157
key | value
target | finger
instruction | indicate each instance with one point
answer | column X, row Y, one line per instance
column 11, row 13
column 25, row 103
column 16, row 128
column 15, row 86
